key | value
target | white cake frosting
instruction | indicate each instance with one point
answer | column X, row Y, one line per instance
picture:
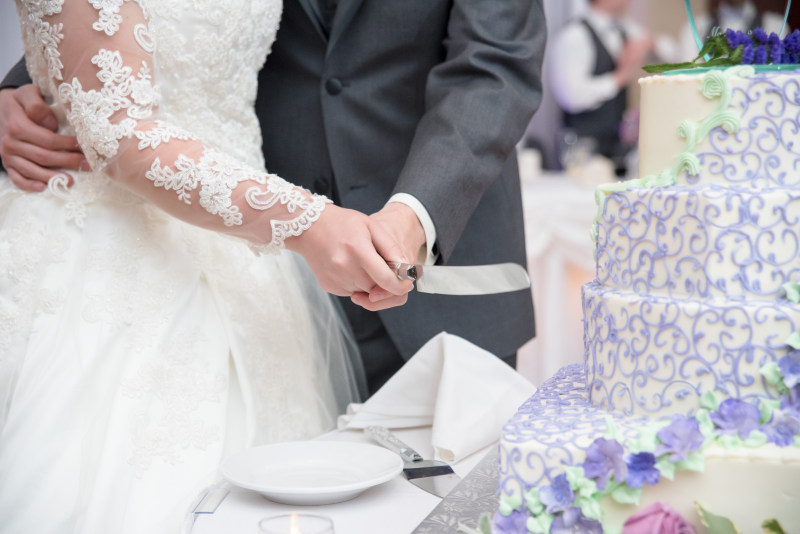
column 689, row 316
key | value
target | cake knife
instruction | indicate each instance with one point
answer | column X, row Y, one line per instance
column 432, row 476
column 464, row 280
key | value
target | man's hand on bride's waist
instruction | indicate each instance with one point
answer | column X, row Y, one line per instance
column 31, row 150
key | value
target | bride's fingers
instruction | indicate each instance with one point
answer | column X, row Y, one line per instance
column 378, row 294
column 363, row 299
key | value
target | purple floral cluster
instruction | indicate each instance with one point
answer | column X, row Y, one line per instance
column 609, row 467
column 785, row 423
column 558, row 500
column 606, row 459
column 758, row 48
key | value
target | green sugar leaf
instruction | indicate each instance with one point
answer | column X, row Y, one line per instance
column 660, row 68
column 792, row 291
column 771, row 526
column 625, row 494
column 716, row 524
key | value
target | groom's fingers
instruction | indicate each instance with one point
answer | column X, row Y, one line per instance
column 386, row 248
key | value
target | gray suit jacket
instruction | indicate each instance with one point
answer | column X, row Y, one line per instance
column 427, row 97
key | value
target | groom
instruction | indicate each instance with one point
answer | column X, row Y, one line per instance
column 410, row 111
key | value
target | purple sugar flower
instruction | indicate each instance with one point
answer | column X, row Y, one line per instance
column 748, row 54
column 792, row 42
column 789, row 366
column 733, row 38
column 760, row 35
column 788, row 58
column 775, row 47
column 736, row 417
column 557, row 497
column 782, row 429
column 604, row 458
column 511, row 524
column 790, row 404
column 760, row 57
column 572, row 521
column 641, row 469
column 681, row 437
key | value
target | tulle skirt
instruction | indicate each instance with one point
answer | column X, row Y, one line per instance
column 137, row 351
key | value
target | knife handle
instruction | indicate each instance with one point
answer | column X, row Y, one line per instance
column 390, row 441
column 406, row 271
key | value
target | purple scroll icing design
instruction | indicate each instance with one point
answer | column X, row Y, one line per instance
column 560, row 419
column 657, row 355
column 764, row 152
column 700, row 242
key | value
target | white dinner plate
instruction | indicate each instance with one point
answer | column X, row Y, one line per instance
column 311, row 472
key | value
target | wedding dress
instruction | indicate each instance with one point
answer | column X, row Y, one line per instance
column 136, row 349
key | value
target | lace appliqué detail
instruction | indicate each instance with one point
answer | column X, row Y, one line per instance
column 178, row 424
column 293, row 198
column 47, row 36
column 75, row 205
column 109, row 18
column 90, row 112
column 162, row 133
column 216, row 176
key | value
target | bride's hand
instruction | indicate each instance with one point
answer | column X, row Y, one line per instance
column 346, row 249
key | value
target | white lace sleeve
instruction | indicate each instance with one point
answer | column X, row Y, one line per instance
column 99, row 57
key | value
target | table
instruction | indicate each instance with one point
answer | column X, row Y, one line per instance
column 396, row 507
column 559, row 212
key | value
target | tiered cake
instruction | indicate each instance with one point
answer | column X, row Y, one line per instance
column 689, row 392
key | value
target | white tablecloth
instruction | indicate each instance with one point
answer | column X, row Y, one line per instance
column 558, row 217
column 396, row 507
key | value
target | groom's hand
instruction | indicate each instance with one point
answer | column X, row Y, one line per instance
column 397, row 224
column 345, row 250
column 32, row 152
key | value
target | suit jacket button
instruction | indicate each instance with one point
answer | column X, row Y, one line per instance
column 334, row 86
column 321, row 186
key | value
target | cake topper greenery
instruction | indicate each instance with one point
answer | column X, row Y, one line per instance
column 740, row 48
column 729, row 48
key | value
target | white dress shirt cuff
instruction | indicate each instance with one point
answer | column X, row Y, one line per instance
column 426, row 254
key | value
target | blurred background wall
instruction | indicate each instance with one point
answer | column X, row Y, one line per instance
column 10, row 40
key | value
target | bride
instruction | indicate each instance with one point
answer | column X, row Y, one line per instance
column 138, row 348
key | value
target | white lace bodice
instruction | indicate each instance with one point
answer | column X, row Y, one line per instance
column 160, row 94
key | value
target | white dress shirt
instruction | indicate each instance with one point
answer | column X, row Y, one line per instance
column 426, row 255
column 572, row 60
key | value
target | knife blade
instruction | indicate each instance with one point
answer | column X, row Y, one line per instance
column 464, row 280
column 432, row 476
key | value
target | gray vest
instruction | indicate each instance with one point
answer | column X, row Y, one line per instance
column 601, row 124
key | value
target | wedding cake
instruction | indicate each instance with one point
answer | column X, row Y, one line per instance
column 687, row 408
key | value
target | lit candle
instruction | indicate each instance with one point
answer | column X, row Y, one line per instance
column 294, row 523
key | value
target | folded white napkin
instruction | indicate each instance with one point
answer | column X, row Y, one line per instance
column 463, row 391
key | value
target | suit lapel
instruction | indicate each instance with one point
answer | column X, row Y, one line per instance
column 310, row 7
column 345, row 11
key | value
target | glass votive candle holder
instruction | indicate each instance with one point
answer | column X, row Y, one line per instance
column 296, row 524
